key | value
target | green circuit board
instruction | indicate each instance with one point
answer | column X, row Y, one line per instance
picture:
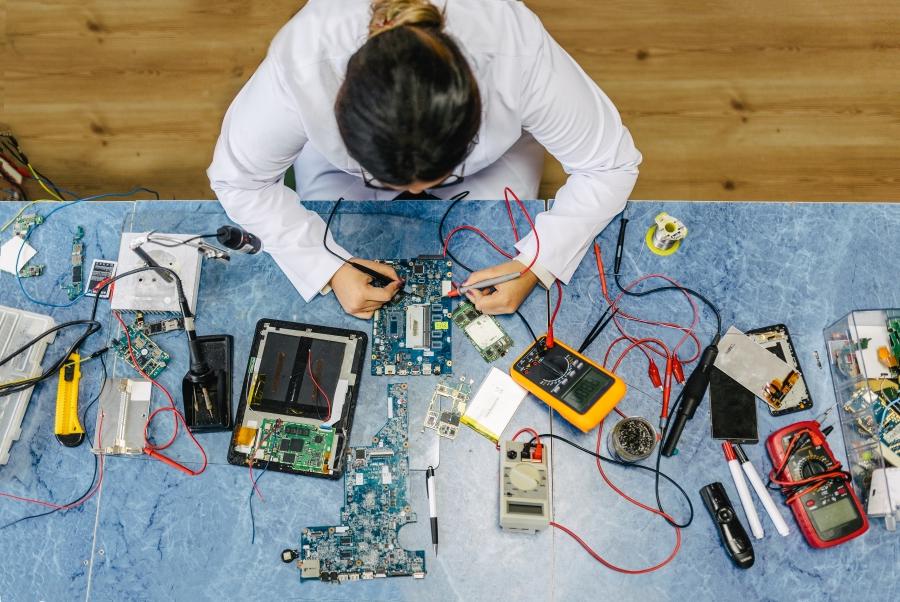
column 877, row 415
column 76, row 287
column 484, row 331
column 24, row 223
column 365, row 545
column 303, row 447
column 150, row 357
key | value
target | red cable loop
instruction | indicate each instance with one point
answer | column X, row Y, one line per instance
column 316, row 383
column 507, row 192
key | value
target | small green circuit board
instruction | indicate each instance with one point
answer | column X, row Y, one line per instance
column 303, row 447
column 76, row 288
column 31, row 270
column 484, row 331
column 24, row 223
column 893, row 328
column 150, row 357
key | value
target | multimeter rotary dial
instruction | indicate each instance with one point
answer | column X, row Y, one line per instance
column 558, row 366
column 525, row 477
column 811, row 466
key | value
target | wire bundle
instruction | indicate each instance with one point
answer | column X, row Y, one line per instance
column 445, row 245
column 674, row 369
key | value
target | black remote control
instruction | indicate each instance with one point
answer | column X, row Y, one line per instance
column 731, row 531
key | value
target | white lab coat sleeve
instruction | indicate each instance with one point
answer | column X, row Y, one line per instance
column 262, row 135
column 577, row 123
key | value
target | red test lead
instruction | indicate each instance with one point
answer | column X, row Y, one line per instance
column 678, row 369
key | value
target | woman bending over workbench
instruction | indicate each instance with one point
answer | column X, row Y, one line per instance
column 375, row 99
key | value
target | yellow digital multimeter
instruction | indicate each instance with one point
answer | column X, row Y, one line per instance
column 581, row 391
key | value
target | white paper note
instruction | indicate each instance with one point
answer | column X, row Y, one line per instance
column 10, row 250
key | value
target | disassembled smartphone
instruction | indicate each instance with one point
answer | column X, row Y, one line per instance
column 761, row 371
column 777, row 340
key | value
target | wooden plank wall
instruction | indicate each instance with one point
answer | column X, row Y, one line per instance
column 727, row 99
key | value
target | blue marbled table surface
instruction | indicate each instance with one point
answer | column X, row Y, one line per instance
column 152, row 533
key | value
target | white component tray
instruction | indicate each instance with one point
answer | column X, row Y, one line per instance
column 17, row 327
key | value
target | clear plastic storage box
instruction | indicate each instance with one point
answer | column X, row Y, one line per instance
column 863, row 351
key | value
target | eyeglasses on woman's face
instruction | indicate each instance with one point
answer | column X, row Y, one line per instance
column 452, row 180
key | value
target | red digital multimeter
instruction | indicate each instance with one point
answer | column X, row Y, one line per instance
column 827, row 511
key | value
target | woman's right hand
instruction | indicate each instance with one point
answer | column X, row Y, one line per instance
column 355, row 292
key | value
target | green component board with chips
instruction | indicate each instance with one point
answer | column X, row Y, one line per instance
column 365, row 545
column 483, row 331
column 24, row 223
column 76, row 288
column 411, row 335
column 303, row 447
column 150, row 357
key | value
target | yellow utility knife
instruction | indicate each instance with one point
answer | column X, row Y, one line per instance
column 68, row 429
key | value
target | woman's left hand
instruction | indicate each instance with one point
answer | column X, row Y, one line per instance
column 506, row 297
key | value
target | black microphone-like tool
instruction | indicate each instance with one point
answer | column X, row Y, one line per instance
column 692, row 395
column 238, row 239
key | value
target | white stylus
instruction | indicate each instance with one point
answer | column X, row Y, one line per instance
column 768, row 503
column 743, row 492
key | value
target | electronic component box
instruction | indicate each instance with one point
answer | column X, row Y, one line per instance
column 525, row 502
column 863, row 349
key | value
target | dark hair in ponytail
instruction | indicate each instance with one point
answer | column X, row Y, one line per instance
column 409, row 108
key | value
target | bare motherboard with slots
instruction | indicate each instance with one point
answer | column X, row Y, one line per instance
column 411, row 335
column 365, row 545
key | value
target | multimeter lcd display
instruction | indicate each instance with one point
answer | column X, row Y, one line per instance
column 833, row 515
column 586, row 390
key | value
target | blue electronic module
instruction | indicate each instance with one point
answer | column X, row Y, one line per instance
column 366, row 544
column 411, row 335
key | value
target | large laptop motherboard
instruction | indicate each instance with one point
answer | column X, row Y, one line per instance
column 366, row 543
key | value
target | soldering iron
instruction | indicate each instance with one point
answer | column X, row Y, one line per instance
column 691, row 396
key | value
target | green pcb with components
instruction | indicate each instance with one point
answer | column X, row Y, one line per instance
column 24, row 223
column 150, row 357
column 76, row 288
column 303, row 447
column 484, row 331
column 893, row 328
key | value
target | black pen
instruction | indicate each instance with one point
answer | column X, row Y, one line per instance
column 377, row 277
column 432, row 506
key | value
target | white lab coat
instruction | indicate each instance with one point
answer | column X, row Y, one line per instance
column 528, row 83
